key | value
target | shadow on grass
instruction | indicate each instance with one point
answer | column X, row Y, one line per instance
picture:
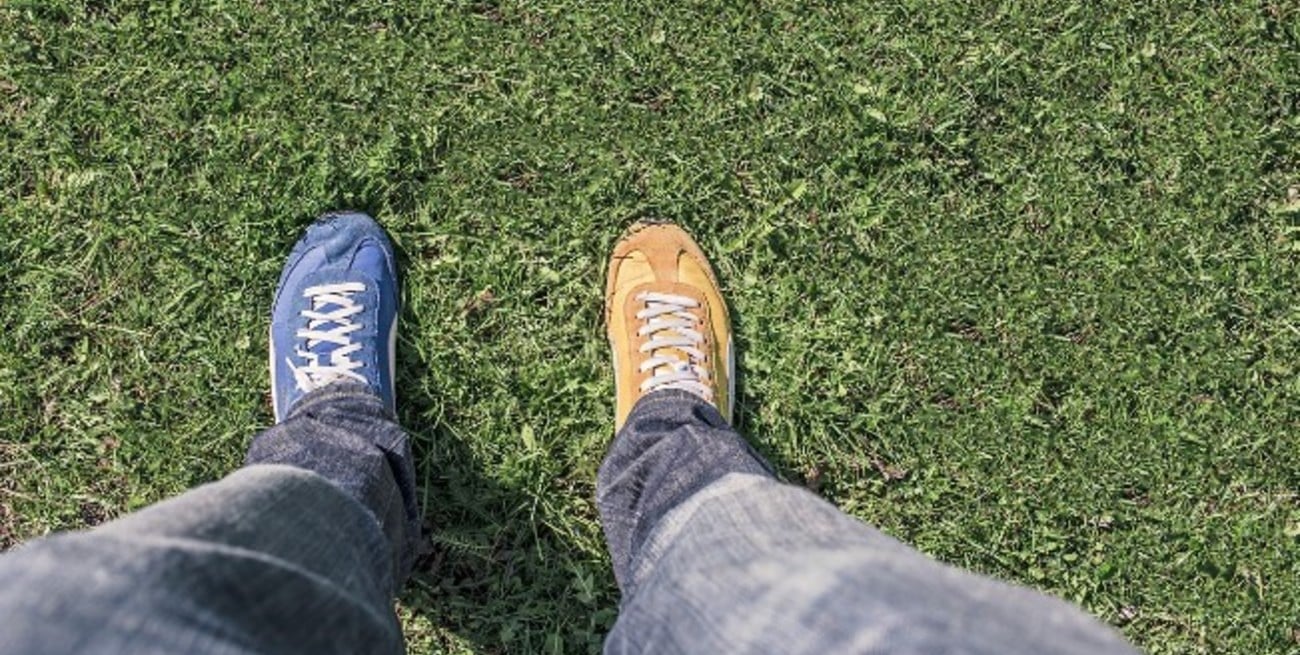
column 491, row 574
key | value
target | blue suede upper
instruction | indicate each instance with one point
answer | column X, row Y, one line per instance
column 337, row 248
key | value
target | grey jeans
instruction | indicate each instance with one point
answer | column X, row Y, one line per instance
column 303, row 550
column 714, row 555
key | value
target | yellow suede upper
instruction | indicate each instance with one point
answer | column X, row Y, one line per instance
column 662, row 258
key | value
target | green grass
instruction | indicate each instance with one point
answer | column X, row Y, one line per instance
column 1014, row 281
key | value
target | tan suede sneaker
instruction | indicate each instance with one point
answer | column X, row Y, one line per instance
column 667, row 322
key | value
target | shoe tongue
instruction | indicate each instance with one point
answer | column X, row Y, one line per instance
column 323, row 349
column 366, row 257
column 672, row 352
column 320, row 304
column 676, row 353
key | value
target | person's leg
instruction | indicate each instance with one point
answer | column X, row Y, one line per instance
column 344, row 434
column 714, row 555
column 300, row 552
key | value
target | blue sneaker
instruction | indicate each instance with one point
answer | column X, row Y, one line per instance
column 335, row 312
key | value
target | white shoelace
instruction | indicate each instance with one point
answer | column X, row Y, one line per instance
column 340, row 365
column 673, row 332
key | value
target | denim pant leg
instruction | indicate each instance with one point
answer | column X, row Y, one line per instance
column 714, row 555
column 292, row 554
column 345, row 434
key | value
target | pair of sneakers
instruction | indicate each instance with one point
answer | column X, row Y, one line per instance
column 335, row 316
